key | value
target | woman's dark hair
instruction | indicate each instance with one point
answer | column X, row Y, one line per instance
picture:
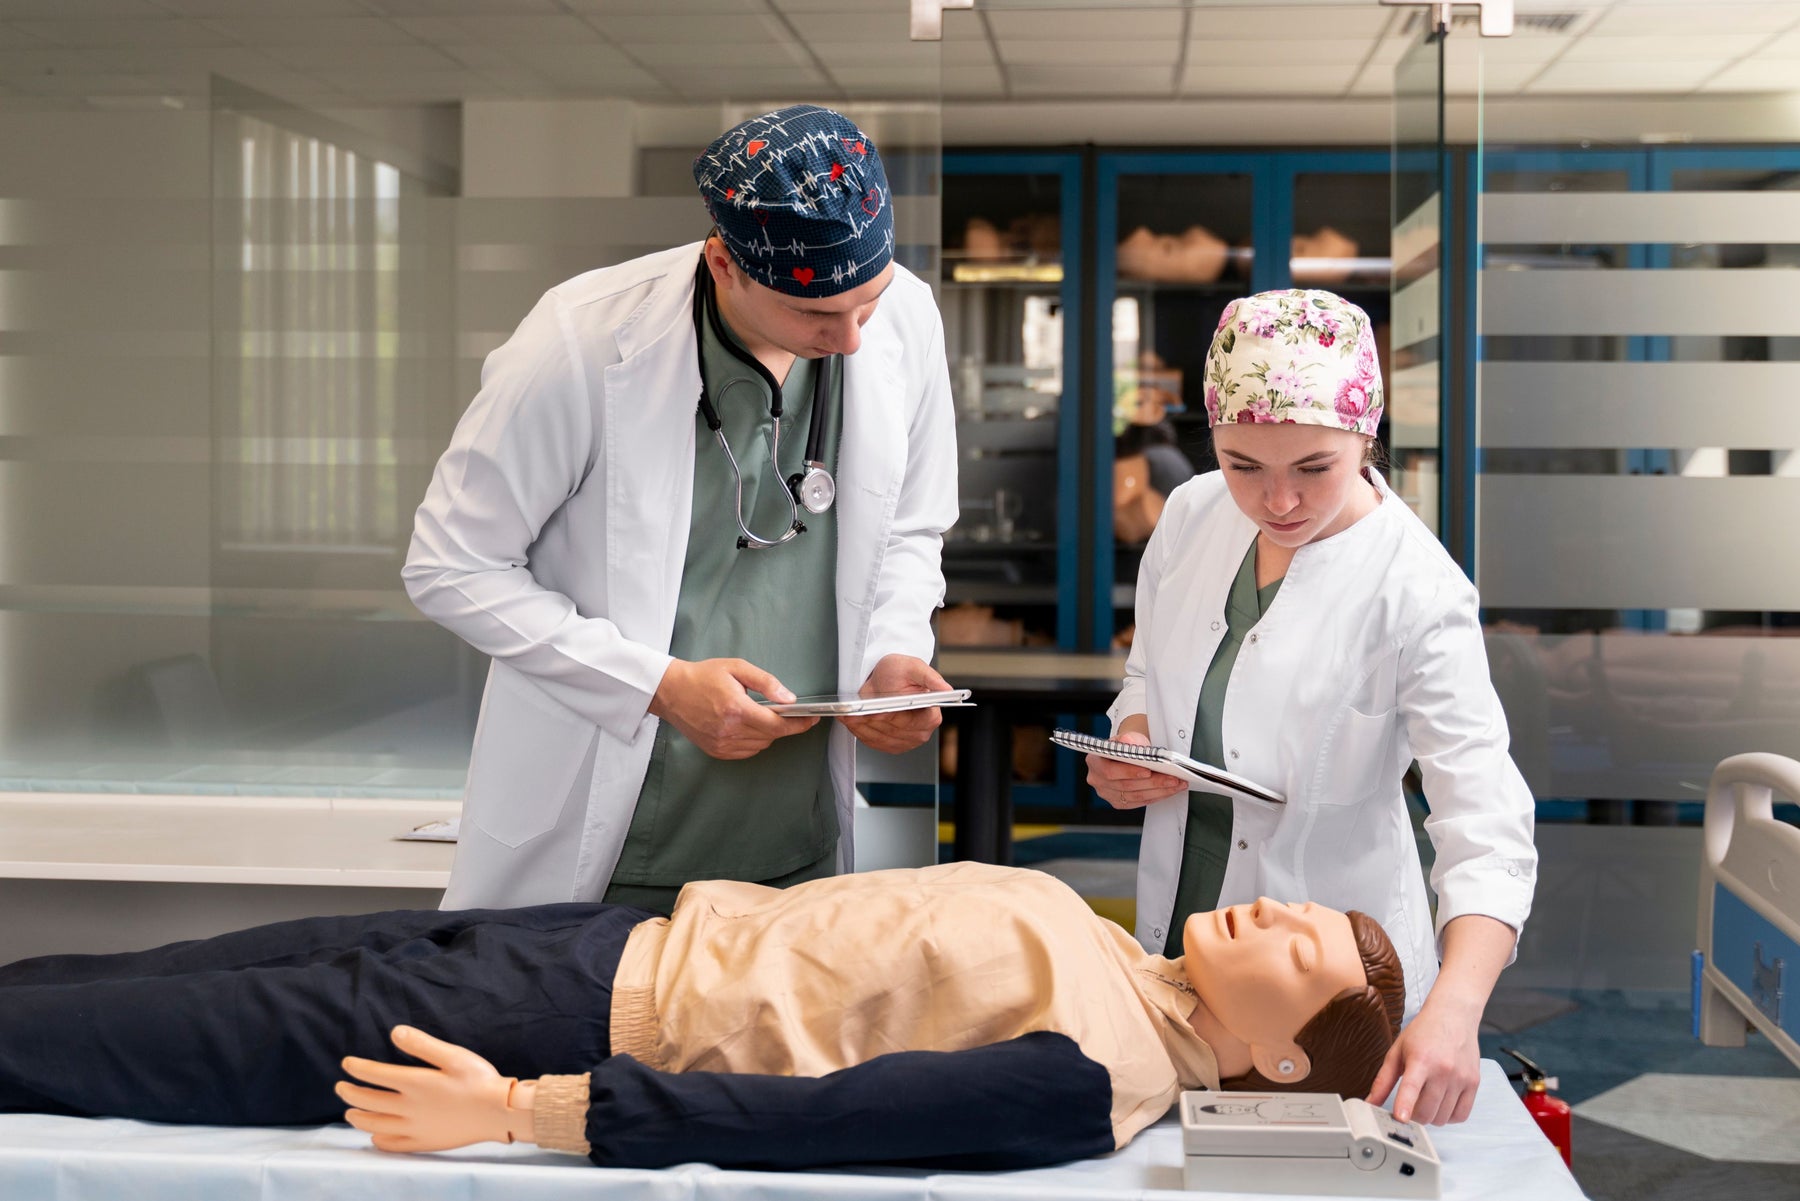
column 1348, row 1039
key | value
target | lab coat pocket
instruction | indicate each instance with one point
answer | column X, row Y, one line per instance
column 527, row 751
column 1356, row 760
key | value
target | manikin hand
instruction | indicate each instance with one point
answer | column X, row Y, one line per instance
column 1437, row 1060
column 1125, row 785
column 459, row 1100
column 708, row 703
column 896, row 732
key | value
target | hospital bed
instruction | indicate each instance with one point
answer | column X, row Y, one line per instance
column 1747, row 970
column 1498, row 1153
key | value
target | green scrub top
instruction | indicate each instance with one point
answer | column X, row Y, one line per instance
column 1208, row 843
column 771, row 818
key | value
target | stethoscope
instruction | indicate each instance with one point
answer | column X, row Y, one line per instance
column 813, row 488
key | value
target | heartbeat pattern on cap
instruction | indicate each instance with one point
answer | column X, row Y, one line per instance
column 801, row 200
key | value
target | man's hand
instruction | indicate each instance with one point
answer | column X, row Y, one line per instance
column 459, row 1100
column 896, row 732
column 1126, row 785
column 708, row 703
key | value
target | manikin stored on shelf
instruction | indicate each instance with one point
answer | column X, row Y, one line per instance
column 961, row 1015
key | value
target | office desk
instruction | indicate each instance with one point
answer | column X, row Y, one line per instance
column 1009, row 686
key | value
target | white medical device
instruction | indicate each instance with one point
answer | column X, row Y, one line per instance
column 1302, row 1143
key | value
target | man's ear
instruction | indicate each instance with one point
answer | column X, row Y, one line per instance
column 1282, row 1063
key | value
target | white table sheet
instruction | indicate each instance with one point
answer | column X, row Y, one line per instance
column 1499, row 1153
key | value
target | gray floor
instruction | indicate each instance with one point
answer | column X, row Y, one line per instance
column 1597, row 1041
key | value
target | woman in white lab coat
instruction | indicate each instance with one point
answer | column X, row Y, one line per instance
column 1298, row 625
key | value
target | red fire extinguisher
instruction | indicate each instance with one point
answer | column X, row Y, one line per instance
column 1548, row 1110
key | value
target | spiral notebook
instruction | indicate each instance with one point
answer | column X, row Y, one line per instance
column 1203, row 775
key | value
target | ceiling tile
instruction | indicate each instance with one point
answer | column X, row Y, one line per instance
column 1695, row 17
column 1159, row 55
column 759, row 56
column 1594, row 48
column 584, row 70
column 352, row 57
column 966, row 54
column 837, row 6
column 80, row 8
column 1089, row 81
column 1273, row 79
column 749, row 85
column 302, row 31
column 575, row 59
column 499, row 31
column 167, row 31
column 890, row 25
column 1111, row 26
column 1785, row 46
column 225, row 60
column 1275, row 25
column 893, row 81
column 964, row 25
column 1309, row 50
column 1623, row 76
column 907, row 56
column 272, row 8
column 46, row 62
column 441, row 8
column 1494, row 79
column 14, row 35
column 667, row 7
column 1757, row 75
column 973, row 82
column 718, row 31
column 191, row 83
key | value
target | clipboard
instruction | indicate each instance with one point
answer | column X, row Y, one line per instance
column 848, row 704
column 1203, row 776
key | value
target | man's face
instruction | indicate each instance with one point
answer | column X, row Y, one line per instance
column 812, row 328
column 1266, row 969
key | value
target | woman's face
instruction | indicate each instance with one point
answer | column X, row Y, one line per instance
column 1298, row 483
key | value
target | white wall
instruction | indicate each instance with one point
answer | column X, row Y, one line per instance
column 549, row 148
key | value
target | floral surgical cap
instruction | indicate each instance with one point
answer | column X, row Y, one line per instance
column 1299, row 356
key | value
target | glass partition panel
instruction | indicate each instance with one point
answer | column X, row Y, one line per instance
column 235, row 338
column 1638, row 451
column 1416, row 358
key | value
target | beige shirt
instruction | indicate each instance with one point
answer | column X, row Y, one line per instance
column 832, row 973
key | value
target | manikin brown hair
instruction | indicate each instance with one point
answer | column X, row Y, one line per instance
column 1350, row 1036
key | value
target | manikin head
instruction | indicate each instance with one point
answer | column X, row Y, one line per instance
column 1294, row 998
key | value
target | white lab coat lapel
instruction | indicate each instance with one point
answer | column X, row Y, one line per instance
column 652, row 395
column 870, row 463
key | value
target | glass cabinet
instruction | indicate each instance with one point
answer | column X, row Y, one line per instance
column 1009, row 296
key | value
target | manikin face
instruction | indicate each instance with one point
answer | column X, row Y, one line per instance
column 1298, row 483
column 798, row 325
column 1264, row 971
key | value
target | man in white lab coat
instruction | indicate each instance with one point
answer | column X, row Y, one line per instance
column 637, row 568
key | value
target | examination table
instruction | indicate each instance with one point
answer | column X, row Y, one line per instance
column 1498, row 1153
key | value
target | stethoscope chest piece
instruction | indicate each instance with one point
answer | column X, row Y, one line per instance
column 815, row 489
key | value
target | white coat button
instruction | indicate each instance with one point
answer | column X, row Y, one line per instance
column 1215, row 625
column 1253, row 637
column 1234, row 754
column 1156, row 933
column 1512, row 871
column 1242, row 845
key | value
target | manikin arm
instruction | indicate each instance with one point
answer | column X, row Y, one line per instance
column 1032, row 1101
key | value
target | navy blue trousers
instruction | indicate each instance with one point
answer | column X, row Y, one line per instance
column 249, row 1028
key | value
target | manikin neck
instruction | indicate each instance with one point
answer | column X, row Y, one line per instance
column 1230, row 1052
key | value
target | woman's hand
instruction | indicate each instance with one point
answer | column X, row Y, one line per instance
column 459, row 1100
column 1437, row 1061
column 1126, row 785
